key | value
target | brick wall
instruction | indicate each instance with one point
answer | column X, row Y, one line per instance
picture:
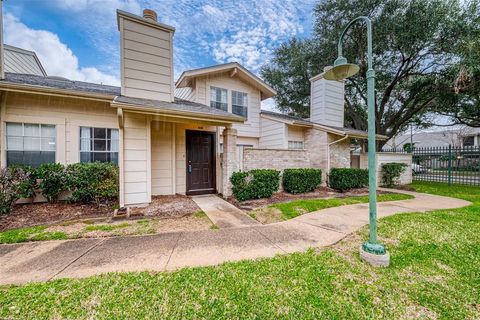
column 278, row 159
column 386, row 157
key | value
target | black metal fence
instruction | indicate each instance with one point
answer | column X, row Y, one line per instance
column 449, row 164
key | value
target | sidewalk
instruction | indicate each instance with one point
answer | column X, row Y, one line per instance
column 43, row 261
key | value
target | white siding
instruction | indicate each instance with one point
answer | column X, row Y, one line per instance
column 21, row 61
column 295, row 134
column 327, row 102
column 146, row 60
column 273, row 134
column 162, row 158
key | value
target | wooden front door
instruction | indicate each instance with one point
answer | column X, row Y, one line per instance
column 200, row 162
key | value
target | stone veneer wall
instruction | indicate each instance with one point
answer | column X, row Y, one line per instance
column 316, row 145
column 339, row 153
column 278, row 159
column 386, row 157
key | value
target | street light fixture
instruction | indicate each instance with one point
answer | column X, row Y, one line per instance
column 371, row 251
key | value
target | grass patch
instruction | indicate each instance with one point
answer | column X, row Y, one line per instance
column 199, row 214
column 433, row 274
column 293, row 209
column 106, row 227
column 214, row 227
column 30, row 234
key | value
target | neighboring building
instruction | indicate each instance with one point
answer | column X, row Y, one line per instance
column 461, row 136
column 19, row 60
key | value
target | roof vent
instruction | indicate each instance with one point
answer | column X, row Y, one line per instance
column 149, row 15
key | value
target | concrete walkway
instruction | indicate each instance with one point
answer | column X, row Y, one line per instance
column 222, row 213
column 43, row 261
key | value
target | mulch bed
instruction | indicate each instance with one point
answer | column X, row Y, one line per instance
column 322, row 192
column 29, row 215
column 34, row 214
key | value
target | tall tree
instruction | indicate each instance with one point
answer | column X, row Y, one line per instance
column 414, row 46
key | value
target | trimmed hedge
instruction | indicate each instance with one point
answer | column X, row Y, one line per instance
column 11, row 182
column 255, row 184
column 92, row 182
column 343, row 179
column 301, row 180
column 391, row 173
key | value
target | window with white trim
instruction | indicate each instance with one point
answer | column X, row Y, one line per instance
column 30, row 144
column 295, row 144
column 218, row 98
column 240, row 103
column 98, row 144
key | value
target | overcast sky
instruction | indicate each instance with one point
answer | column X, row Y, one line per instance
column 78, row 39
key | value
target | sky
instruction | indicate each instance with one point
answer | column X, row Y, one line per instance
column 79, row 39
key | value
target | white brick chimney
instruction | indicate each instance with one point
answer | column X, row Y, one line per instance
column 327, row 101
column 146, row 55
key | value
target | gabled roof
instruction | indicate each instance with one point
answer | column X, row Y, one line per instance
column 235, row 69
column 295, row 121
column 62, row 86
column 19, row 60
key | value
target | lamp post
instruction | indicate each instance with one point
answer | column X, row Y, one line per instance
column 371, row 251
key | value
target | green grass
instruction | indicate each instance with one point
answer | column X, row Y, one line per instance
column 434, row 273
column 199, row 214
column 295, row 208
column 106, row 227
column 30, row 234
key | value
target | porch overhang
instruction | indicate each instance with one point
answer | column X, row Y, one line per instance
column 177, row 111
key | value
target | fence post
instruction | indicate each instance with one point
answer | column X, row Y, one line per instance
column 449, row 164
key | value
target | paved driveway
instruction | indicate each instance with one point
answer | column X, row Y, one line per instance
column 43, row 261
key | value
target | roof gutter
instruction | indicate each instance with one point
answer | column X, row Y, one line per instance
column 178, row 114
column 8, row 86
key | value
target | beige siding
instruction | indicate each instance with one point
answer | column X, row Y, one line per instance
column 185, row 93
column 67, row 114
column 162, row 158
column 136, row 159
column 273, row 134
column 146, row 61
column 326, row 102
column 251, row 127
column 295, row 133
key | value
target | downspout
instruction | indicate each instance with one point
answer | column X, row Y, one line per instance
column 328, row 151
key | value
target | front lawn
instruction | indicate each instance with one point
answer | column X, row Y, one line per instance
column 288, row 210
column 433, row 275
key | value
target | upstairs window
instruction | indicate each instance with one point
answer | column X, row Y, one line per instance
column 295, row 144
column 240, row 103
column 30, row 144
column 98, row 144
column 218, row 98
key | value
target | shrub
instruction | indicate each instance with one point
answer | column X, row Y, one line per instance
column 343, row 179
column 301, row 180
column 53, row 180
column 254, row 184
column 29, row 184
column 11, row 180
column 391, row 173
column 92, row 182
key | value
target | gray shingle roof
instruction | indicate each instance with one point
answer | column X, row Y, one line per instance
column 61, row 83
column 348, row 131
column 178, row 105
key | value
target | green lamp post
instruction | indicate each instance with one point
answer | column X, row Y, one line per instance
column 342, row 70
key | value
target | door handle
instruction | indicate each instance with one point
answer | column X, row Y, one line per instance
column 189, row 168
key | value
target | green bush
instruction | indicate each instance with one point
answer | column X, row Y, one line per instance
column 92, row 182
column 52, row 180
column 391, row 173
column 343, row 179
column 11, row 181
column 29, row 184
column 254, row 184
column 301, row 180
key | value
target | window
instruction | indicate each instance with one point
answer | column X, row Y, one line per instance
column 295, row 144
column 469, row 141
column 240, row 103
column 98, row 144
column 218, row 98
column 30, row 144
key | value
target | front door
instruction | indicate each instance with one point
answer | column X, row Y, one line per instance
column 200, row 162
